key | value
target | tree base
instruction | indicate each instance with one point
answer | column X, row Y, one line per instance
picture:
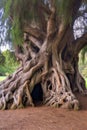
column 18, row 93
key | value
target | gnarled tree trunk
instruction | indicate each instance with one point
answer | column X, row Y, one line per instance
column 49, row 59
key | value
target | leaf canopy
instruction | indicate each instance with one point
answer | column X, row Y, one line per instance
column 24, row 12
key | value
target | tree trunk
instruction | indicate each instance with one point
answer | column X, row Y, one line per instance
column 56, row 71
column 50, row 61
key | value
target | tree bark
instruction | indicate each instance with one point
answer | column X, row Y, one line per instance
column 43, row 66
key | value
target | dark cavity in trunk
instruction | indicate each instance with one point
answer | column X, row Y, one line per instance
column 37, row 94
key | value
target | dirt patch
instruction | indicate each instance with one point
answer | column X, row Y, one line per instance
column 45, row 118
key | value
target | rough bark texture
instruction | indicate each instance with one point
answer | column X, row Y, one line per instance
column 48, row 59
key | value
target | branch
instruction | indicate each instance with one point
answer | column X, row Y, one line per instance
column 18, row 53
column 35, row 41
column 58, row 42
column 28, row 51
column 35, row 32
column 52, row 23
column 45, row 8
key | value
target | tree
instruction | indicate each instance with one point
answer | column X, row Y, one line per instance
column 2, row 59
column 48, row 54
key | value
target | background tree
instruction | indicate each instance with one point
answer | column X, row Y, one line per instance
column 8, row 63
column 5, row 25
column 2, row 59
column 42, row 32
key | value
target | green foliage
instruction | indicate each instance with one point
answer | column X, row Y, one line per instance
column 2, row 59
column 83, row 67
column 7, row 7
column 22, row 12
column 10, row 64
column 84, row 71
column 16, row 32
column 10, row 58
column 86, row 82
column 83, row 52
column 64, row 8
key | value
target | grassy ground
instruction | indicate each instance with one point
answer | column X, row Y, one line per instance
column 2, row 78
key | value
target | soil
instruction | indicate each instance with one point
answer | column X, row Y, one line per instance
column 45, row 118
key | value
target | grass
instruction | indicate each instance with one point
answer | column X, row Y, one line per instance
column 2, row 78
column 86, row 82
column 7, row 69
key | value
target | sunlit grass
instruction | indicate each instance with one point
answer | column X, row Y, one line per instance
column 86, row 82
column 2, row 78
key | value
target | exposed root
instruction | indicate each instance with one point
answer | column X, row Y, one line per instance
column 56, row 94
column 63, row 100
column 14, row 99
